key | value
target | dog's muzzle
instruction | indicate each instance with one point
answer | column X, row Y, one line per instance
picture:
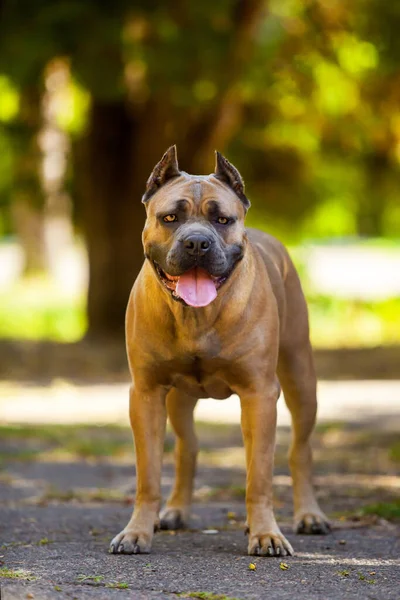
column 196, row 244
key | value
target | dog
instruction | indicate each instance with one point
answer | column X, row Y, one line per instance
column 216, row 310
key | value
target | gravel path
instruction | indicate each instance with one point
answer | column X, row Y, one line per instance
column 65, row 491
column 354, row 563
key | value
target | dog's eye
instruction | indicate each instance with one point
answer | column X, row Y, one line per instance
column 222, row 220
column 170, row 218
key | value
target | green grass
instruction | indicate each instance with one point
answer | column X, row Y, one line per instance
column 36, row 308
column 387, row 510
column 394, row 452
column 58, row 433
column 7, row 573
column 44, row 542
column 343, row 322
column 362, row 577
column 94, row 578
column 122, row 585
column 82, row 441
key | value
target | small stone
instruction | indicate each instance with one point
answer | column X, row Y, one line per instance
column 210, row 531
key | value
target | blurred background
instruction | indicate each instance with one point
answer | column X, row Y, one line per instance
column 303, row 96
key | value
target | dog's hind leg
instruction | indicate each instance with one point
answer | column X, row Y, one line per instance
column 180, row 409
column 297, row 377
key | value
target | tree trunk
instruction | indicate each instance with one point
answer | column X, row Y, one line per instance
column 114, row 160
column 371, row 207
column 111, row 219
column 112, row 164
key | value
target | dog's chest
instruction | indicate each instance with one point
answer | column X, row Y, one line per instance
column 200, row 384
column 196, row 366
column 201, row 376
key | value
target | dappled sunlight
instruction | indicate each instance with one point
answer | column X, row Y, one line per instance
column 311, row 558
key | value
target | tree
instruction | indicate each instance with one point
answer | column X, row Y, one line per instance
column 145, row 96
column 27, row 193
column 298, row 93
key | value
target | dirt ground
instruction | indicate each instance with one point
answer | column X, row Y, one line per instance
column 65, row 490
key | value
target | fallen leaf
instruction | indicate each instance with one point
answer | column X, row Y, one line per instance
column 252, row 567
column 284, row 566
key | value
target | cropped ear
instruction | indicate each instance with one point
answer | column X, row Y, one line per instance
column 226, row 172
column 164, row 170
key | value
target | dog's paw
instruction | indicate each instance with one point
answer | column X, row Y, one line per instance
column 312, row 524
column 269, row 544
column 130, row 541
column 172, row 519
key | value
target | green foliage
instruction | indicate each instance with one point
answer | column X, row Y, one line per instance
column 9, row 106
column 9, row 99
column 315, row 95
column 73, row 108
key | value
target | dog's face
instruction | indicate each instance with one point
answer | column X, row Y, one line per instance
column 194, row 234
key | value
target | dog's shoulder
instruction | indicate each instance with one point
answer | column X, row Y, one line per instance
column 272, row 251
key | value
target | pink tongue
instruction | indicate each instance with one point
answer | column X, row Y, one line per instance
column 196, row 287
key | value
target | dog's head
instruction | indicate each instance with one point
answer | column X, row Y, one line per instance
column 194, row 234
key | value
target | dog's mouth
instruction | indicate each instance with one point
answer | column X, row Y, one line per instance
column 195, row 287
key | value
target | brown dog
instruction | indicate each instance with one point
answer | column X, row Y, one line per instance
column 216, row 310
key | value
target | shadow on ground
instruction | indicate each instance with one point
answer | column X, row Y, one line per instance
column 66, row 490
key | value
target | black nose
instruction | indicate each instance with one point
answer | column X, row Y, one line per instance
column 196, row 244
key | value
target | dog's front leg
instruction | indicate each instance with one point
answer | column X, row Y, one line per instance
column 147, row 414
column 258, row 427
